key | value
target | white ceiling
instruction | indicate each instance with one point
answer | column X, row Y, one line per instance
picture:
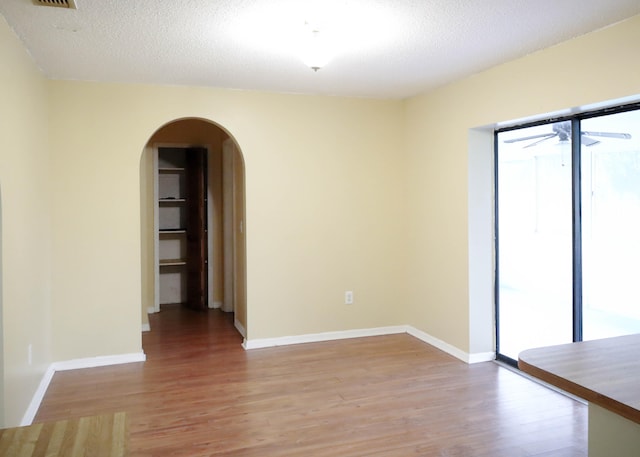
column 387, row 48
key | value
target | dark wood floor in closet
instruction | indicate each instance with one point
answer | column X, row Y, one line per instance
column 200, row 394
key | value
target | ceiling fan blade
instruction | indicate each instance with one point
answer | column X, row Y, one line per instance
column 540, row 141
column 525, row 138
column 584, row 139
column 623, row 136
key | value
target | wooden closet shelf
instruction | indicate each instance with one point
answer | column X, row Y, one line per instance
column 172, row 262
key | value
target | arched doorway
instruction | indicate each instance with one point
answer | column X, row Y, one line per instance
column 224, row 206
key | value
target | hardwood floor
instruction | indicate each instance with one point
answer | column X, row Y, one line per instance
column 200, row 394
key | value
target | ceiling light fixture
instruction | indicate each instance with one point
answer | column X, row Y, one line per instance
column 316, row 48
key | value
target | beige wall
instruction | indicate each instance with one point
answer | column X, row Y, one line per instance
column 449, row 163
column 25, row 227
column 324, row 202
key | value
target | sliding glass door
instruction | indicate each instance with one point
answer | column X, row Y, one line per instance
column 567, row 231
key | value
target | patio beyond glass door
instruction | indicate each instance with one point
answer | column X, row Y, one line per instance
column 611, row 226
column 535, row 239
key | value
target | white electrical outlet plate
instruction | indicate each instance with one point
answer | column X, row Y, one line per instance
column 348, row 297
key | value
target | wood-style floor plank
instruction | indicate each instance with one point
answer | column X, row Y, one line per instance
column 200, row 394
column 95, row 436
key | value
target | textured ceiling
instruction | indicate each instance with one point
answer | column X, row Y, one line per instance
column 386, row 48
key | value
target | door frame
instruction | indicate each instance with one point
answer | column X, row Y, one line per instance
column 234, row 233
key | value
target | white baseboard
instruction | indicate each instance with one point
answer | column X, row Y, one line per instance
column 151, row 310
column 438, row 343
column 479, row 357
column 215, row 305
column 240, row 328
column 90, row 362
column 450, row 349
column 33, row 407
column 318, row 337
column 329, row 336
column 146, row 327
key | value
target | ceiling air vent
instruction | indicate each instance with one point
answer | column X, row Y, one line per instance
column 70, row 4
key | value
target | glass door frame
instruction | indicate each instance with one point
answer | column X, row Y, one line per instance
column 576, row 198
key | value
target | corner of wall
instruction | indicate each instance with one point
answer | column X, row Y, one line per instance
column 481, row 251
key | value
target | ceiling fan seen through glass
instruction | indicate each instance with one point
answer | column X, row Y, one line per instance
column 562, row 130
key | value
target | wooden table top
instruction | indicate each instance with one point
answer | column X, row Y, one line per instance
column 95, row 436
column 604, row 372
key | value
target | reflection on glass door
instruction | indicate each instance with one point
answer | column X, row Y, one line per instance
column 611, row 225
column 534, row 224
